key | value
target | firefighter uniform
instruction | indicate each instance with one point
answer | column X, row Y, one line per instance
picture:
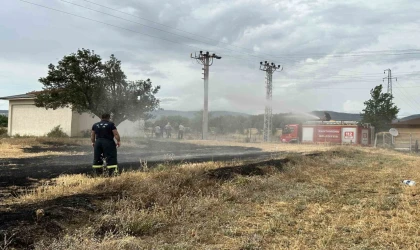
column 105, row 147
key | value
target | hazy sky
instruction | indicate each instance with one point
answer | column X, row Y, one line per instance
column 333, row 52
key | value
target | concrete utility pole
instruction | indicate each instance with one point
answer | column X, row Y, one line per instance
column 206, row 60
column 389, row 91
column 268, row 114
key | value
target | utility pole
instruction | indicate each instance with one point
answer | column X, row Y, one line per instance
column 389, row 77
column 206, row 59
column 268, row 114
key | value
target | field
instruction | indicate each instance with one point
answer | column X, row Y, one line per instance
column 282, row 197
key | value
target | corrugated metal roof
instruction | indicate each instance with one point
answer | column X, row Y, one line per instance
column 415, row 121
column 22, row 96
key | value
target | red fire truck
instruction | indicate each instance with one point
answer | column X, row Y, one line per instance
column 336, row 132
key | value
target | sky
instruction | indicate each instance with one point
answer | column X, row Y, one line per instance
column 332, row 52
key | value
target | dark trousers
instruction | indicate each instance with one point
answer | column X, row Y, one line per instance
column 105, row 148
column 180, row 134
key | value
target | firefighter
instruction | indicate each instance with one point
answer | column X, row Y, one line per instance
column 181, row 131
column 102, row 137
column 157, row 131
column 168, row 129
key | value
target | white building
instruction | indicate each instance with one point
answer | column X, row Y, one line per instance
column 27, row 119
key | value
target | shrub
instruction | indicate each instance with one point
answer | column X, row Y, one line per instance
column 3, row 121
column 57, row 132
column 86, row 133
column 21, row 136
column 3, row 132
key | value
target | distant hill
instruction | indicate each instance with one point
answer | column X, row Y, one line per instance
column 191, row 114
column 338, row 116
column 408, row 118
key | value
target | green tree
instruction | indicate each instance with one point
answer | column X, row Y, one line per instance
column 174, row 120
column 3, row 121
column 229, row 124
column 86, row 84
column 379, row 109
column 196, row 123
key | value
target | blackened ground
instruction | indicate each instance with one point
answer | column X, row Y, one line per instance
column 21, row 223
column 18, row 174
column 63, row 213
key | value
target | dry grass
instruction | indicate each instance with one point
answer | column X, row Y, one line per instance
column 345, row 198
column 268, row 147
column 14, row 147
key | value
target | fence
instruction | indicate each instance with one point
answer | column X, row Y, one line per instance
column 407, row 141
column 404, row 141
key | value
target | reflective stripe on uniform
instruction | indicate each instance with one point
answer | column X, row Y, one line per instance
column 97, row 166
column 112, row 166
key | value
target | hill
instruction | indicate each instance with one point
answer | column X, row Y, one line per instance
column 320, row 114
column 191, row 114
column 338, row 116
column 409, row 118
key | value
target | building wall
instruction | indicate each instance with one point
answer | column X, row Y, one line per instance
column 82, row 123
column 27, row 119
column 403, row 138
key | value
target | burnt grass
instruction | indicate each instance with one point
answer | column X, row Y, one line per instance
column 27, row 172
column 61, row 213
column 250, row 169
column 70, row 211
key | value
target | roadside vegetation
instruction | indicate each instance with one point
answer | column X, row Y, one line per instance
column 57, row 132
column 343, row 198
column 3, row 126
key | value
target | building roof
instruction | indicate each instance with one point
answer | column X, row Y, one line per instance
column 411, row 122
column 22, row 96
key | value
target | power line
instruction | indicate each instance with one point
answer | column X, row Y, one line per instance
column 284, row 57
column 151, row 27
column 161, row 30
column 414, row 100
column 332, row 79
column 115, row 26
column 407, row 99
column 168, row 26
column 111, row 25
column 218, row 41
column 119, row 27
column 315, row 88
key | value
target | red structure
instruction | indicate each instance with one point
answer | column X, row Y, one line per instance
column 335, row 132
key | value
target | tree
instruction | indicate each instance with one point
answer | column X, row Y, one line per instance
column 3, row 121
column 379, row 110
column 84, row 83
column 174, row 120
